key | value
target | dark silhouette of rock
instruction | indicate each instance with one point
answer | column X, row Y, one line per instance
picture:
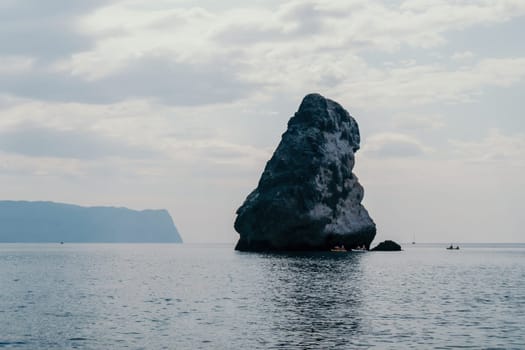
column 387, row 246
column 22, row 221
column 307, row 197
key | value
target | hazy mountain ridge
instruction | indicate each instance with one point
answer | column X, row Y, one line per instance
column 24, row 221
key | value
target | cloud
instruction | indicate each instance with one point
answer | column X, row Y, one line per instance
column 393, row 145
column 463, row 56
column 221, row 152
column 44, row 29
column 496, row 148
column 361, row 24
column 292, row 21
column 182, row 135
column 191, row 56
column 15, row 64
column 40, row 141
column 178, row 83
column 418, row 122
column 425, row 84
column 155, row 76
column 259, row 36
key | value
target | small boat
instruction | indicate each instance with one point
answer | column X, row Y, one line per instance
column 360, row 249
column 338, row 249
column 451, row 247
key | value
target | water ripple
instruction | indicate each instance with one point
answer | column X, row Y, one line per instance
column 210, row 297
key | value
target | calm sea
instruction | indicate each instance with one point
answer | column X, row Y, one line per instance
column 134, row 296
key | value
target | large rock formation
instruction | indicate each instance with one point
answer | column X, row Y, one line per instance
column 307, row 197
column 22, row 221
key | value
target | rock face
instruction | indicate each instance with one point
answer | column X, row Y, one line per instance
column 387, row 246
column 307, row 197
column 22, row 221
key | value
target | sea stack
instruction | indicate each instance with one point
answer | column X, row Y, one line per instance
column 307, row 197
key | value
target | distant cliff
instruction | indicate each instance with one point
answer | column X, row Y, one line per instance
column 22, row 221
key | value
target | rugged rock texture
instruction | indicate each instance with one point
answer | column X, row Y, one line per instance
column 307, row 197
column 22, row 221
column 387, row 246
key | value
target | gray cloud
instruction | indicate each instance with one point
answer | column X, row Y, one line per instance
column 178, row 83
column 44, row 29
column 248, row 33
column 393, row 146
column 154, row 77
column 306, row 18
column 419, row 122
column 40, row 141
column 397, row 149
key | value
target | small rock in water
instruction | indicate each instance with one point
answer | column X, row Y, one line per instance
column 387, row 246
column 307, row 197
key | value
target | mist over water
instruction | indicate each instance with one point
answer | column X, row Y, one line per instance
column 101, row 296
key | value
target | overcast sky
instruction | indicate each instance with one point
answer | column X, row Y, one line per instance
column 178, row 104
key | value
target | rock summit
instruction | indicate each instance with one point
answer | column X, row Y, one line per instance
column 307, row 197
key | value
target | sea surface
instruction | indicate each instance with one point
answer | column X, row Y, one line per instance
column 153, row 296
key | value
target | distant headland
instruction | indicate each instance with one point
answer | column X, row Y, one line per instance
column 24, row 222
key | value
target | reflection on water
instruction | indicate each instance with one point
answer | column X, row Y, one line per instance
column 315, row 299
column 118, row 296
